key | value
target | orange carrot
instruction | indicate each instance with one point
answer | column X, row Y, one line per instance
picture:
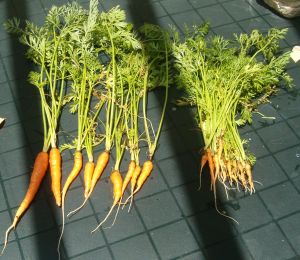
column 249, row 176
column 204, row 159
column 88, row 174
column 72, row 176
column 128, row 176
column 146, row 171
column 117, row 182
column 102, row 162
column 39, row 171
column 211, row 166
column 74, row 172
column 55, row 171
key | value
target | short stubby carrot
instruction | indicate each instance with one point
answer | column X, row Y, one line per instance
column 88, row 174
column 55, row 172
column 117, row 182
column 38, row 173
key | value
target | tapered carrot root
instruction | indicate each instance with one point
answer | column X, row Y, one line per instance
column 102, row 162
column 117, row 182
column 38, row 173
column 135, row 175
column 72, row 176
column 55, row 171
column 249, row 177
column 128, row 175
column 145, row 173
column 74, row 172
column 211, row 167
column 88, row 174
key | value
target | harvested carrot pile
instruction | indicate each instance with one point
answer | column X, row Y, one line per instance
column 226, row 81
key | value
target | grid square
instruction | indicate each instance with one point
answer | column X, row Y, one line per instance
column 228, row 30
column 240, row 10
column 11, row 169
column 12, row 137
column 267, row 172
column 12, row 251
column 5, row 93
column 9, row 112
column 281, row 200
column 292, row 156
column 232, row 248
column 158, row 209
column 205, row 224
column 75, row 231
column 188, row 19
column 255, row 145
column 188, row 196
column 255, row 23
column 277, row 21
column 176, row 6
column 246, row 213
column 135, row 248
column 286, row 105
column 34, row 247
column 193, row 256
column 202, row 3
column 291, row 228
column 282, row 137
column 180, row 240
column 30, row 7
column 268, row 243
column 102, row 253
column 127, row 224
column 179, row 169
column 215, row 15
column 268, row 116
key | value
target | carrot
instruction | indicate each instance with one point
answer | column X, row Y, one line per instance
column 249, row 176
column 211, row 166
column 146, row 171
column 101, row 164
column 128, row 176
column 88, row 174
column 204, row 159
column 72, row 176
column 39, row 171
column 117, row 183
column 135, row 175
column 74, row 172
column 55, row 171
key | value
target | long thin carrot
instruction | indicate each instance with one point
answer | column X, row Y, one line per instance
column 88, row 174
column 211, row 166
column 55, row 171
column 117, row 183
column 102, row 162
column 72, row 176
column 39, row 171
column 74, row 172
column 128, row 175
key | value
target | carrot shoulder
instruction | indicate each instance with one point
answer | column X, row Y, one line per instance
column 55, row 172
column 38, row 173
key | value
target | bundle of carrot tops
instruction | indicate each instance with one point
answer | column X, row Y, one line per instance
column 95, row 65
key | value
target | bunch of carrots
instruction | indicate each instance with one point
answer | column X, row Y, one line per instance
column 226, row 80
column 92, row 63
